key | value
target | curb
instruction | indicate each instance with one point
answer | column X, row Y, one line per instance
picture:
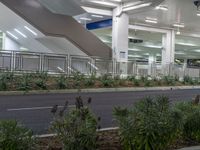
column 98, row 90
column 99, row 130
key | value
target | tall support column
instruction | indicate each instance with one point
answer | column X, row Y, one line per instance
column 152, row 63
column 120, row 38
column 168, row 52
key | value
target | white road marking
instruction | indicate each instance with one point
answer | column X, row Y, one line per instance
column 36, row 108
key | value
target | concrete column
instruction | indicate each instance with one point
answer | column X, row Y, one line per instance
column 152, row 63
column 184, row 67
column 120, row 38
column 168, row 52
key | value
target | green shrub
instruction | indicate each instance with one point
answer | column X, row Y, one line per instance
column 169, row 80
column 191, row 115
column 41, row 83
column 136, row 82
column 131, row 78
column 150, row 125
column 78, row 79
column 188, row 80
column 25, row 83
column 14, row 136
column 76, row 127
column 61, row 82
column 107, row 80
column 6, row 78
column 90, row 81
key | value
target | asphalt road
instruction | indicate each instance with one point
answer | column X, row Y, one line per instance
column 34, row 110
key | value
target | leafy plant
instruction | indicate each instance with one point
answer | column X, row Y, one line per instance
column 14, row 136
column 78, row 79
column 107, row 80
column 24, row 83
column 6, row 78
column 41, row 83
column 61, row 82
column 169, row 80
column 191, row 114
column 76, row 127
column 150, row 125
column 90, row 81
column 136, row 82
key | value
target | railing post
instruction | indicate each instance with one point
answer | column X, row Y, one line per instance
column 41, row 69
column 12, row 66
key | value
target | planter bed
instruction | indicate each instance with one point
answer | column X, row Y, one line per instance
column 107, row 140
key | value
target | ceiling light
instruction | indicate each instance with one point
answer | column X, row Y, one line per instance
column 15, row 37
column 185, row 44
column 162, row 8
column 158, row 54
column 137, row 6
column 87, row 19
column 27, row 28
column 135, row 56
column 153, row 46
column 180, row 53
column 104, row 3
column 135, row 50
column 178, row 32
column 97, row 16
column 20, row 33
column 151, row 20
column 198, row 14
column 179, row 25
column 197, row 50
column 116, row 0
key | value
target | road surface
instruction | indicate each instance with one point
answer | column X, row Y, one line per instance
column 34, row 110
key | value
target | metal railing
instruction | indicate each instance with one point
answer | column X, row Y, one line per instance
column 17, row 61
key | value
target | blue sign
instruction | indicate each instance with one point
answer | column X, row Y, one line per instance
column 99, row 24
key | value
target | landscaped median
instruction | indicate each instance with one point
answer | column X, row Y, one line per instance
column 43, row 83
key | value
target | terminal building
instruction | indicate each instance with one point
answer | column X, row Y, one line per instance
column 117, row 37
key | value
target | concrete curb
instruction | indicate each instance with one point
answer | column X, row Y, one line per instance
column 99, row 90
column 191, row 148
column 100, row 130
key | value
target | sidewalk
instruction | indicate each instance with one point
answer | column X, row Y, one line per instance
column 100, row 90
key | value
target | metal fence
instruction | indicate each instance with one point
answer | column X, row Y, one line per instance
column 16, row 61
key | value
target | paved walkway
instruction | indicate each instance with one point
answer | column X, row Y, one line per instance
column 191, row 148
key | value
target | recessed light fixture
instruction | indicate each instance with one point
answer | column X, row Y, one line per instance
column 137, row 6
column 151, row 20
column 104, row 3
column 97, row 16
column 178, row 32
column 197, row 50
column 116, row 0
column 27, row 28
column 134, row 49
column 135, row 56
column 165, row 8
column 185, row 44
column 181, row 25
column 15, row 37
column 86, row 19
column 22, row 34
